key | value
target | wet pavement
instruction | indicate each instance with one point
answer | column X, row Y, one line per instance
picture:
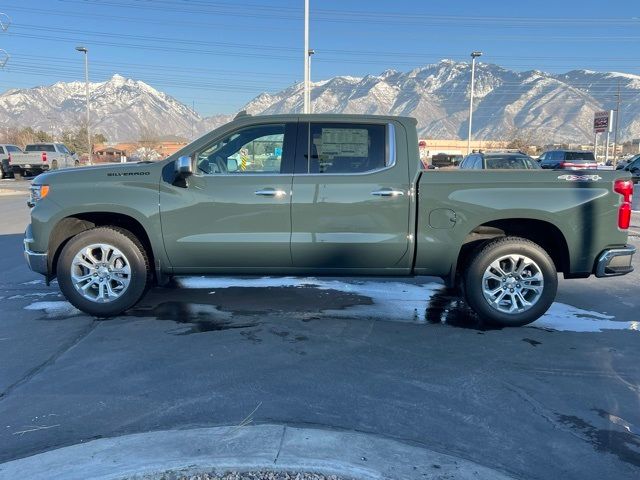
column 402, row 359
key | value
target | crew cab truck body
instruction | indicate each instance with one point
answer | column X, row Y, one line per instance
column 325, row 195
column 42, row 157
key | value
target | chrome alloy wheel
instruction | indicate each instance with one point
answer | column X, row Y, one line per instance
column 100, row 273
column 512, row 284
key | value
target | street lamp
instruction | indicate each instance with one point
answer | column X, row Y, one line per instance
column 474, row 55
column 310, row 52
column 307, row 57
column 86, row 80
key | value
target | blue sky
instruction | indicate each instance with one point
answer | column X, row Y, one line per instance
column 219, row 54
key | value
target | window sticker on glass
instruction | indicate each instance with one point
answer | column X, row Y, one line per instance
column 345, row 142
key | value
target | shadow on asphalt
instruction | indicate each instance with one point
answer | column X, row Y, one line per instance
column 244, row 307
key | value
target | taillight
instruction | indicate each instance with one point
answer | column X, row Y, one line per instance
column 44, row 157
column 9, row 160
column 624, row 188
column 578, row 166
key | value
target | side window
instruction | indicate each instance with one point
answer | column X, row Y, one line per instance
column 256, row 149
column 63, row 149
column 477, row 163
column 542, row 158
column 336, row 148
column 1, row 150
column 557, row 156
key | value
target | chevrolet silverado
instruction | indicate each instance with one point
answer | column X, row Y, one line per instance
column 325, row 195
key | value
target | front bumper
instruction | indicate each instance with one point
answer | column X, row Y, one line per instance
column 38, row 262
column 615, row 261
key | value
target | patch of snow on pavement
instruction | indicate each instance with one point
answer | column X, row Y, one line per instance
column 391, row 300
column 408, row 301
column 34, row 294
column 54, row 309
column 564, row 317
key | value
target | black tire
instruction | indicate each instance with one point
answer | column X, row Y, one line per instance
column 2, row 172
column 494, row 250
column 136, row 255
column 18, row 174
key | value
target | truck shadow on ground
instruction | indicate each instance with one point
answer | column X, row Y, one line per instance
column 205, row 310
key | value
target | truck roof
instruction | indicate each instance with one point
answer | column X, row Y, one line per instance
column 324, row 117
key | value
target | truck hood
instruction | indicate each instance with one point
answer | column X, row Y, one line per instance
column 105, row 172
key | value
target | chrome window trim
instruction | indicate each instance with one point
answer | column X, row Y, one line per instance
column 390, row 157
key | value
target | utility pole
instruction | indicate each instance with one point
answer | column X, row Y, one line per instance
column 474, row 55
column 307, row 96
column 606, row 153
column 86, row 81
column 615, row 136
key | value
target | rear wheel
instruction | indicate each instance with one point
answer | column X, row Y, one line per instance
column 103, row 271
column 18, row 173
column 511, row 282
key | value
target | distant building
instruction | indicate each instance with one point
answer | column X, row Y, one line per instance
column 108, row 154
column 114, row 152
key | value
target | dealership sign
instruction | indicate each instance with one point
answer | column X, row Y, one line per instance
column 602, row 121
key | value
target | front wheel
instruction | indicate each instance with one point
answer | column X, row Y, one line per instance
column 511, row 282
column 103, row 271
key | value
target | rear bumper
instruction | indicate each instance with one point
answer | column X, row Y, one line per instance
column 38, row 262
column 615, row 261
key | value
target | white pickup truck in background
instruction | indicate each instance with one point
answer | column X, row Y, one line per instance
column 40, row 157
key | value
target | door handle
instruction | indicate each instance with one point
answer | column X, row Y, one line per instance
column 387, row 192
column 271, row 192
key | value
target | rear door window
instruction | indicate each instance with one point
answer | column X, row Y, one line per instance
column 342, row 148
column 40, row 148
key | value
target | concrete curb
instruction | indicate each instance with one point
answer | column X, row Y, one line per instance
column 274, row 447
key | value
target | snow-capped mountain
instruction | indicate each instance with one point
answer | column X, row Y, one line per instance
column 121, row 108
column 540, row 106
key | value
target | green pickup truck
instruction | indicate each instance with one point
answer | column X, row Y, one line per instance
column 325, row 195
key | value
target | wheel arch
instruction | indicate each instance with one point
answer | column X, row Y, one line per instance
column 70, row 226
column 544, row 233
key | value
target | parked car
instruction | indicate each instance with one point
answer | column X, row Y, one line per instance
column 6, row 150
column 499, row 161
column 568, row 160
column 347, row 196
column 41, row 157
column 633, row 167
column 622, row 163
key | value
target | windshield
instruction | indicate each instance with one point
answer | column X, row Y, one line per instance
column 509, row 162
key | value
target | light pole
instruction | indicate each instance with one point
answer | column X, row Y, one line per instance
column 474, row 55
column 310, row 52
column 307, row 57
column 86, row 80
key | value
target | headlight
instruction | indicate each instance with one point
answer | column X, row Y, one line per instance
column 38, row 192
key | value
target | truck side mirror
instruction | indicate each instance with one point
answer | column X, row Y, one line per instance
column 184, row 167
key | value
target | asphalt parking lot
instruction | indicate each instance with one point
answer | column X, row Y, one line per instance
column 402, row 360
